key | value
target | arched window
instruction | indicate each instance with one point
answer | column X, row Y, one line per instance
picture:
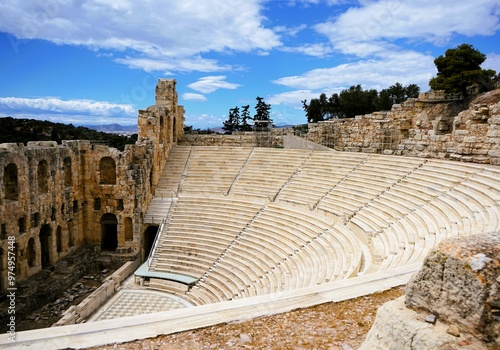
column 107, row 168
column 43, row 176
column 45, row 245
column 68, row 180
column 71, row 233
column 129, row 230
column 10, row 182
column 162, row 131
column 59, row 244
column 31, row 252
column 174, row 130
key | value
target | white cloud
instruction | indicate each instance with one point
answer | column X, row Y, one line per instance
column 316, row 49
column 425, row 20
column 189, row 96
column 210, row 84
column 376, row 34
column 292, row 98
column 67, row 111
column 492, row 62
column 204, row 120
column 406, row 67
column 149, row 31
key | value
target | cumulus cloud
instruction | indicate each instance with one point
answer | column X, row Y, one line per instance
column 147, row 30
column 406, row 67
column 67, row 111
column 210, row 84
column 189, row 96
column 377, row 37
column 492, row 62
column 312, row 49
column 425, row 20
column 292, row 97
column 204, row 120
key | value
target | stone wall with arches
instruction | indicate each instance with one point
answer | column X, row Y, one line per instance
column 58, row 198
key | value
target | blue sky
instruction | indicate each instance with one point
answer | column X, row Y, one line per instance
column 97, row 61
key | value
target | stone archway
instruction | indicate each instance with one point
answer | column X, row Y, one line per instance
column 107, row 168
column 43, row 176
column 109, row 232
column 45, row 244
column 31, row 255
column 59, row 240
column 10, row 182
column 149, row 238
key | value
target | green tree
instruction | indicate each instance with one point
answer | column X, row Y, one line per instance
column 412, row 91
column 313, row 110
column 460, row 68
column 233, row 121
column 262, row 118
column 357, row 101
column 245, row 118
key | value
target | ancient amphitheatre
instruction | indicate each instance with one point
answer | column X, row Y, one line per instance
column 244, row 231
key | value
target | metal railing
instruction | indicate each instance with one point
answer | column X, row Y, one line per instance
column 157, row 239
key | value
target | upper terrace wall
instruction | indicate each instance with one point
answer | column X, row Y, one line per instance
column 433, row 126
column 55, row 199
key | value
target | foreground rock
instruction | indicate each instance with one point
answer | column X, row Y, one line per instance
column 459, row 284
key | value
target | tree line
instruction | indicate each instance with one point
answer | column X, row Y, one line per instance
column 261, row 121
column 458, row 70
column 24, row 130
column 356, row 101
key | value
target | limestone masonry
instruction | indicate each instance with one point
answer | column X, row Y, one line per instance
column 56, row 199
column 459, row 285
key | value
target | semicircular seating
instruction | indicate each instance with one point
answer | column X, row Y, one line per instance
column 254, row 221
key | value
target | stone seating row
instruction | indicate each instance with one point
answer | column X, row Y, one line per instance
column 401, row 206
column 282, row 248
column 172, row 172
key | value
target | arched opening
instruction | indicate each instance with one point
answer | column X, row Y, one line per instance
column 174, row 130
column 71, row 234
column 129, row 229
column 10, row 182
column 43, row 176
column 107, row 168
column 151, row 173
column 149, row 239
column 30, row 252
column 162, row 131
column 45, row 243
column 68, row 180
column 59, row 244
column 109, row 232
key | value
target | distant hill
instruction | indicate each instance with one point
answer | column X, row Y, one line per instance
column 114, row 128
column 24, row 130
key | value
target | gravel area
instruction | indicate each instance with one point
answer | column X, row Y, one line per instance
column 335, row 326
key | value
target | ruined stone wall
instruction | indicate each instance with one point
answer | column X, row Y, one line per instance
column 433, row 126
column 238, row 139
column 55, row 199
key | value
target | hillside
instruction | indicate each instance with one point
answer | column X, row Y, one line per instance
column 24, row 130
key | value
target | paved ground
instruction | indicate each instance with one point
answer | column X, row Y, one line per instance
column 130, row 302
column 134, row 300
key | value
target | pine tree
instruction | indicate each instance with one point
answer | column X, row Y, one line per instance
column 262, row 118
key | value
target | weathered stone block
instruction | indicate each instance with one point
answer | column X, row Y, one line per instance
column 459, row 282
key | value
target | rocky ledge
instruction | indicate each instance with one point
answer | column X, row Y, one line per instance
column 453, row 302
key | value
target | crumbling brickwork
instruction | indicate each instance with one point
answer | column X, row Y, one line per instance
column 433, row 126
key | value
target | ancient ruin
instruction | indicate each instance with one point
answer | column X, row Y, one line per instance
column 56, row 200
column 241, row 231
